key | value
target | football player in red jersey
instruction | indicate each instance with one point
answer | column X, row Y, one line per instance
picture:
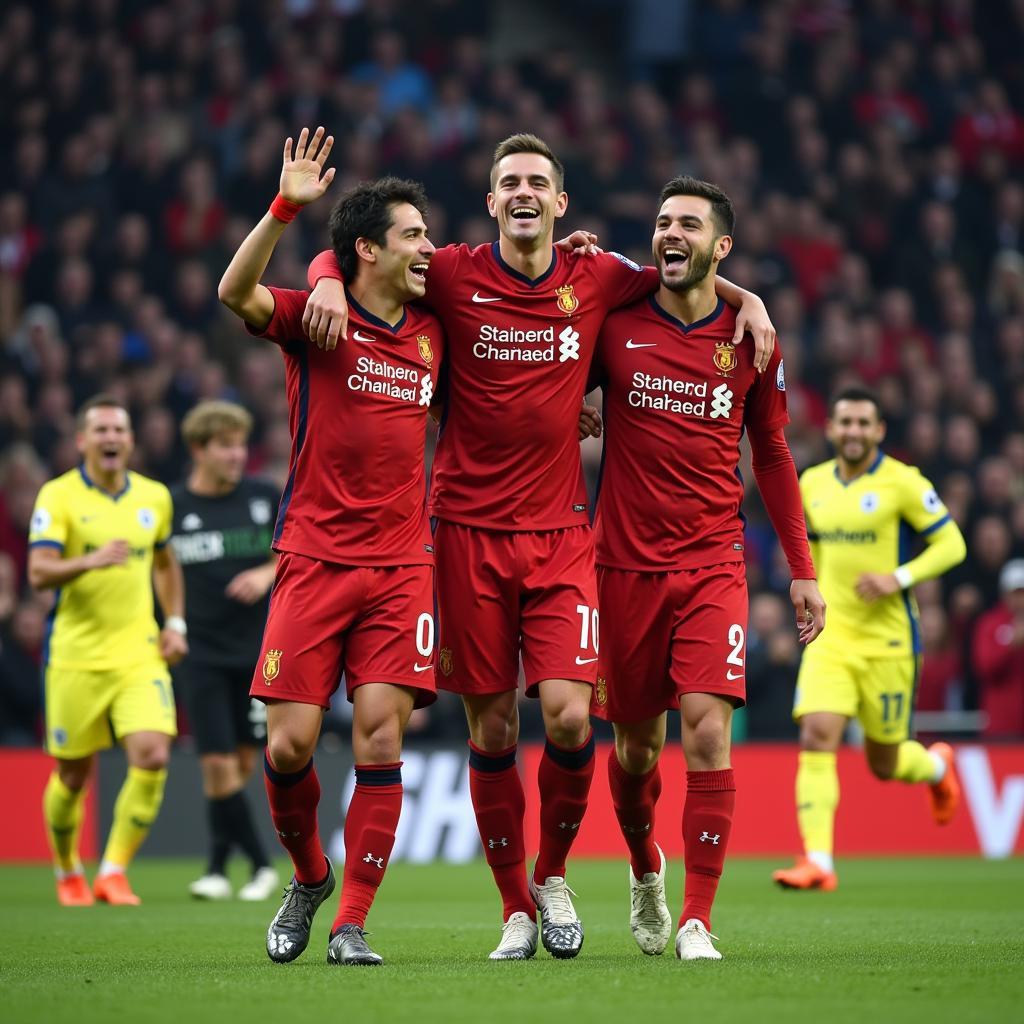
column 678, row 396
column 515, row 560
column 354, row 586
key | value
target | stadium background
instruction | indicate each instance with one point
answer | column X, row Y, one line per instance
column 874, row 152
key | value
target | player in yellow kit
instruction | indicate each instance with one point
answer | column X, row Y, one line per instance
column 99, row 538
column 864, row 509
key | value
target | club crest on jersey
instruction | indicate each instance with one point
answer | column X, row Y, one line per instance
column 725, row 358
column 272, row 665
column 444, row 661
column 601, row 691
column 259, row 510
column 426, row 352
column 567, row 302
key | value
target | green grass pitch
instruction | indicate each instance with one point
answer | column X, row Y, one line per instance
column 902, row 940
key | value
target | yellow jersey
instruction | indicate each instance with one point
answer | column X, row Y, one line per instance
column 869, row 525
column 104, row 617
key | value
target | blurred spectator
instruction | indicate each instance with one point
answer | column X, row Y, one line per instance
column 998, row 656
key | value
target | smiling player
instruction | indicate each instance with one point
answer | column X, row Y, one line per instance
column 863, row 510
column 679, row 395
column 515, row 567
column 354, row 585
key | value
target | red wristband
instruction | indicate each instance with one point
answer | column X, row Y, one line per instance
column 283, row 209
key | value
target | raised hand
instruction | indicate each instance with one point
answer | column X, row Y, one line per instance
column 303, row 178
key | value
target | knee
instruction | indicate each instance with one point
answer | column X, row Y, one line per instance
column 637, row 755
column 153, row 757
column 288, row 752
column 381, row 742
column 495, row 730
column 707, row 743
column 74, row 775
column 882, row 767
column 816, row 740
column 569, row 726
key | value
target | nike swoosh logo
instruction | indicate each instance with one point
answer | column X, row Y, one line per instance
column 477, row 297
column 362, row 337
column 733, row 675
column 422, row 668
column 645, row 344
column 584, row 661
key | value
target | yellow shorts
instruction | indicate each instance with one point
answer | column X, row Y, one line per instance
column 89, row 711
column 878, row 691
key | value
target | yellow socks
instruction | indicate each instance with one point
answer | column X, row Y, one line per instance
column 817, row 796
column 915, row 764
column 134, row 813
column 62, row 811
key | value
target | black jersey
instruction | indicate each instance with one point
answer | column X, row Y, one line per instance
column 215, row 538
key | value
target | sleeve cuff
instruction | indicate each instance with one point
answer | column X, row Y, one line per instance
column 904, row 577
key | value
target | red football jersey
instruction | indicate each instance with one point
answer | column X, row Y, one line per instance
column 676, row 402
column 356, row 485
column 519, row 352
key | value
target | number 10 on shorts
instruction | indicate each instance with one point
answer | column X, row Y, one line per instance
column 588, row 630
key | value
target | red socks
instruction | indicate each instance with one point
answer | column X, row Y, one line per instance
column 293, row 798
column 500, row 806
column 634, row 798
column 564, row 781
column 707, row 821
column 369, row 837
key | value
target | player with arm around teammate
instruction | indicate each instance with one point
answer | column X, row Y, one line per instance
column 515, row 570
column 864, row 509
column 678, row 396
column 223, row 525
column 99, row 539
column 354, row 585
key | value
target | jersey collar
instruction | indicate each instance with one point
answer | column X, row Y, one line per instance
column 376, row 321
column 91, row 483
column 531, row 281
column 687, row 328
column 871, row 469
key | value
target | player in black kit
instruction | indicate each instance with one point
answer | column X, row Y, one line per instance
column 223, row 526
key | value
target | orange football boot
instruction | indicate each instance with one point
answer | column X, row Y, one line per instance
column 73, row 891
column 805, row 874
column 115, row 890
column 945, row 795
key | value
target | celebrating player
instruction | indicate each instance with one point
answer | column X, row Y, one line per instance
column 354, row 585
column 99, row 538
column 679, row 394
column 863, row 508
column 222, row 535
column 514, row 547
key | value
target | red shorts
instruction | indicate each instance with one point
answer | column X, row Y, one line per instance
column 374, row 624
column 670, row 633
column 500, row 591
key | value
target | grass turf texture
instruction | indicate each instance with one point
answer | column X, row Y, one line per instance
column 902, row 940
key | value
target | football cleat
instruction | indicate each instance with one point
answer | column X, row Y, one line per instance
column 649, row 919
column 288, row 934
column 348, row 947
column 805, row 874
column 518, row 938
column 261, row 886
column 945, row 794
column 115, row 890
column 210, row 887
column 561, row 930
column 693, row 942
column 73, row 891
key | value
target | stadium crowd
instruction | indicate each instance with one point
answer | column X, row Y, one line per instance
column 874, row 154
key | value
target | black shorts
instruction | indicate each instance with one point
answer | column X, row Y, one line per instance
column 222, row 715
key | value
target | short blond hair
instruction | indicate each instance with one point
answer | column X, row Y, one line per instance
column 209, row 419
column 524, row 142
